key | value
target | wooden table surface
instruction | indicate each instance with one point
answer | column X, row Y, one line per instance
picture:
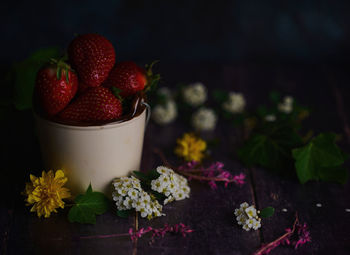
column 325, row 89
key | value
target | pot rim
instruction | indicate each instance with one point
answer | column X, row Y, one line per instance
column 91, row 127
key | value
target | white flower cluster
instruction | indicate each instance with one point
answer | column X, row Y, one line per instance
column 270, row 117
column 195, row 94
column 287, row 105
column 128, row 194
column 172, row 185
column 235, row 103
column 247, row 216
column 165, row 114
column 204, row 119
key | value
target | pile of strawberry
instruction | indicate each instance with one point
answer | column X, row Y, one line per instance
column 85, row 89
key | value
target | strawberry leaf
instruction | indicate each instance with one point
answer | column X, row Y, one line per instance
column 87, row 206
column 320, row 159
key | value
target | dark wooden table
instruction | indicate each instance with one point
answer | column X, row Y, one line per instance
column 209, row 212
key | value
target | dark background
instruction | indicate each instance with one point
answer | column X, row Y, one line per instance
column 183, row 30
column 299, row 48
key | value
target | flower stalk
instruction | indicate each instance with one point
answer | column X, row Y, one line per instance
column 298, row 231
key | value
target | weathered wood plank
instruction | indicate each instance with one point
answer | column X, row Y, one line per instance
column 329, row 224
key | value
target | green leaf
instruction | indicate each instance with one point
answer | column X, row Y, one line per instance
column 148, row 177
column 123, row 213
column 334, row 174
column 320, row 159
column 267, row 212
column 271, row 146
column 25, row 74
column 87, row 206
column 142, row 176
column 153, row 174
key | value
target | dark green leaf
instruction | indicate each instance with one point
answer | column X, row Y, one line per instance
column 123, row 213
column 142, row 176
column 25, row 74
column 267, row 212
column 270, row 147
column 87, row 206
column 320, row 159
column 334, row 174
column 153, row 174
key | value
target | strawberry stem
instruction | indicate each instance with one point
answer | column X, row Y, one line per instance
column 61, row 66
column 116, row 92
column 152, row 79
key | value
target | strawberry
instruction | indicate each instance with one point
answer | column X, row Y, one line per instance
column 93, row 57
column 129, row 78
column 96, row 104
column 56, row 85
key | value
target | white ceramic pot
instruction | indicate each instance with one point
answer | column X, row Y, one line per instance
column 92, row 154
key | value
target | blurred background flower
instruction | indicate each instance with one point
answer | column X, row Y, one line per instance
column 194, row 94
column 204, row 119
column 235, row 103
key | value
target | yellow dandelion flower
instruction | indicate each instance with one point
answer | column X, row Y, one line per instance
column 190, row 147
column 45, row 193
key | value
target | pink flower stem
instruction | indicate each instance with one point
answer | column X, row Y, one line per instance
column 268, row 247
column 204, row 178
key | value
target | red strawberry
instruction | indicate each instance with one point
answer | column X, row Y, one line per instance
column 128, row 77
column 96, row 104
column 55, row 87
column 93, row 57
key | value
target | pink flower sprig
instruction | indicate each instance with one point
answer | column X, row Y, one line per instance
column 160, row 232
column 296, row 236
column 213, row 174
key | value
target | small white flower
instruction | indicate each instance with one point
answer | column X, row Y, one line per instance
column 235, row 103
column 288, row 100
column 130, row 195
column 247, row 217
column 238, row 212
column 270, row 117
column 168, row 200
column 171, row 184
column 195, row 94
column 244, row 205
column 246, row 227
column 251, row 211
column 165, row 114
column 256, row 224
column 241, row 219
column 250, row 222
column 164, row 170
column 133, row 193
column 127, row 203
column 204, row 119
column 287, row 105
